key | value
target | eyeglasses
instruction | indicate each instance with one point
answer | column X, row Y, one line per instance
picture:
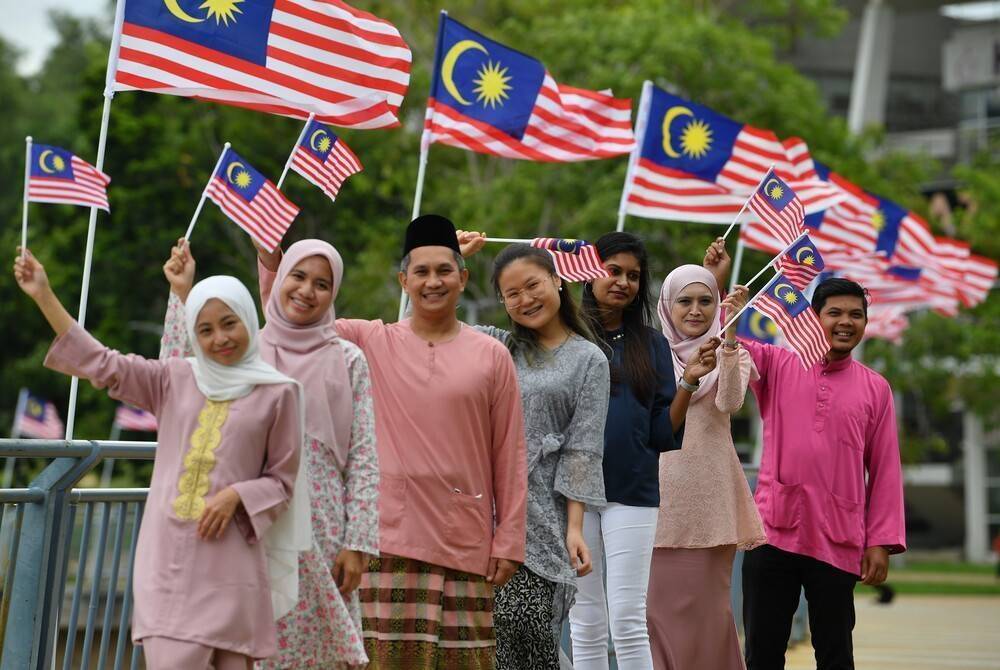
column 534, row 288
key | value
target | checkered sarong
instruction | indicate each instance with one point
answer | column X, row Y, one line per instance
column 420, row 616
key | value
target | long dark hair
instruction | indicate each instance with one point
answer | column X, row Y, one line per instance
column 525, row 339
column 637, row 364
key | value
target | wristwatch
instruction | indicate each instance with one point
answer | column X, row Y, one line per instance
column 688, row 386
column 730, row 344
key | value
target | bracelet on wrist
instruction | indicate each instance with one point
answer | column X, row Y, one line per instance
column 730, row 344
column 688, row 386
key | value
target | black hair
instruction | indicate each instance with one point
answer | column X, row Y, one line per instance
column 526, row 339
column 637, row 364
column 839, row 286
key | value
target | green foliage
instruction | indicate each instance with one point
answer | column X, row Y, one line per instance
column 161, row 150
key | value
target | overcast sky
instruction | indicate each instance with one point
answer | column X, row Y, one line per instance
column 26, row 25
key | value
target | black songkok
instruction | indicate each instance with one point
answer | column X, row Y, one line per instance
column 430, row 230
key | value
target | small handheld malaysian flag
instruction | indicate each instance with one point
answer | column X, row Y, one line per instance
column 575, row 260
column 801, row 264
column 324, row 159
column 37, row 418
column 58, row 176
column 790, row 311
column 133, row 418
column 778, row 208
column 250, row 200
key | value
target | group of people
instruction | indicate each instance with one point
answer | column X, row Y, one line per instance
column 429, row 494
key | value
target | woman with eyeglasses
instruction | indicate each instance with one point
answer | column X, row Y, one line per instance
column 564, row 382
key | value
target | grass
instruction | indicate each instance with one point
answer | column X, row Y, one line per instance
column 935, row 589
column 947, row 568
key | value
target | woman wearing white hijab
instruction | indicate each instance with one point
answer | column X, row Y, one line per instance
column 226, row 462
column 300, row 339
column 706, row 510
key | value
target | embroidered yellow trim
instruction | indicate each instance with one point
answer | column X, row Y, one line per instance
column 199, row 461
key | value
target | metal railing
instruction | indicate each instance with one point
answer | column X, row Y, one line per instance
column 66, row 558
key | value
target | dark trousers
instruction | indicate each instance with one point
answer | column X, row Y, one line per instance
column 772, row 580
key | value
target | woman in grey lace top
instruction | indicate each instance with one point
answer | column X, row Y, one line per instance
column 564, row 382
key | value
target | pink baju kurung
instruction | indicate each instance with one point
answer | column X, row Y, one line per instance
column 323, row 630
column 831, row 483
column 210, row 592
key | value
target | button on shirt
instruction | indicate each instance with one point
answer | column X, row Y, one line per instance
column 830, row 481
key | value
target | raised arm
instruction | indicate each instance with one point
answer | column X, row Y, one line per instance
column 179, row 271
column 134, row 379
column 736, row 369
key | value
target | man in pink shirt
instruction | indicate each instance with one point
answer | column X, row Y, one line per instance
column 830, row 490
column 452, row 498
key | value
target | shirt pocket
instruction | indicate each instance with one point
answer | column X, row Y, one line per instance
column 465, row 523
column 786, row 505
column 843, row 521
column 392, row 500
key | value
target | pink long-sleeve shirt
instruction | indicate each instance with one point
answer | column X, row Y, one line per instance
column 211, row 592
column 449, row 431
column 831, row 482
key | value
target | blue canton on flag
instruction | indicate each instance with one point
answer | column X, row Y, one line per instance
column 796, row 320
column 489, row 98
column 251, row 201
column 485, row 80
column 755, row 326
column 58, row 176
column 801, row 263
column 887, row 220
column 324, row 159
column 688, row 137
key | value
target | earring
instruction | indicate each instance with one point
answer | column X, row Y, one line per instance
column 560, row 288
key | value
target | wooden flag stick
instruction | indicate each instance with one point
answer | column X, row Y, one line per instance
column 295, row 147
column 204, row 193
column 27, row 180
column 747, row 202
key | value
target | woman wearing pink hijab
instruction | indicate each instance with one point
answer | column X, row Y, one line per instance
column 706, row 509
column 323, row 628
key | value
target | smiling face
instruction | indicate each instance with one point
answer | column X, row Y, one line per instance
column 307, row 291
column 221, row 334
column 843, row 319
column 433, row 281
column 530, row 294
column 619, row 290
column 693, row 310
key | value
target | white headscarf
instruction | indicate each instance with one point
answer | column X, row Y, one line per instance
column 291, row 533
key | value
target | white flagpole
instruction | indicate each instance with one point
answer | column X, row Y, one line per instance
column 295, row 147
column 204, row 192
column 425, row 147
column 27, row 180
column 750, row 302
column 641, row 121
column 747, row 202
column 737, row 264
column 102, row 141
column 757, row 276
column 508, row 240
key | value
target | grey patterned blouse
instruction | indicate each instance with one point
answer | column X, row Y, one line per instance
column 565, row 399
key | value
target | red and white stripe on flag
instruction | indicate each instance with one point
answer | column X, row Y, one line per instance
column 582, row 263
column 47, row 427
column 329, row 175
column 351, row 68
column 566, row 124
column 133, row 418
column 265, row 218
column 658, row 192
column 88, row 187
column 803, row 332
column 886, row 323
column 979, row 277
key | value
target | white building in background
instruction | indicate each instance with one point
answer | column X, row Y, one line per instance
column 928, row 72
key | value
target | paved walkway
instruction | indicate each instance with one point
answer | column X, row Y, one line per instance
column 921, row 633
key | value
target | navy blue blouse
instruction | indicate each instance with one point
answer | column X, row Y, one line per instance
column 636, row 433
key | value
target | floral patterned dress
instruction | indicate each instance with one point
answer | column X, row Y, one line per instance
column 323, row 630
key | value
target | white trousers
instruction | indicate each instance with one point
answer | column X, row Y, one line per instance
column 620, row 537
